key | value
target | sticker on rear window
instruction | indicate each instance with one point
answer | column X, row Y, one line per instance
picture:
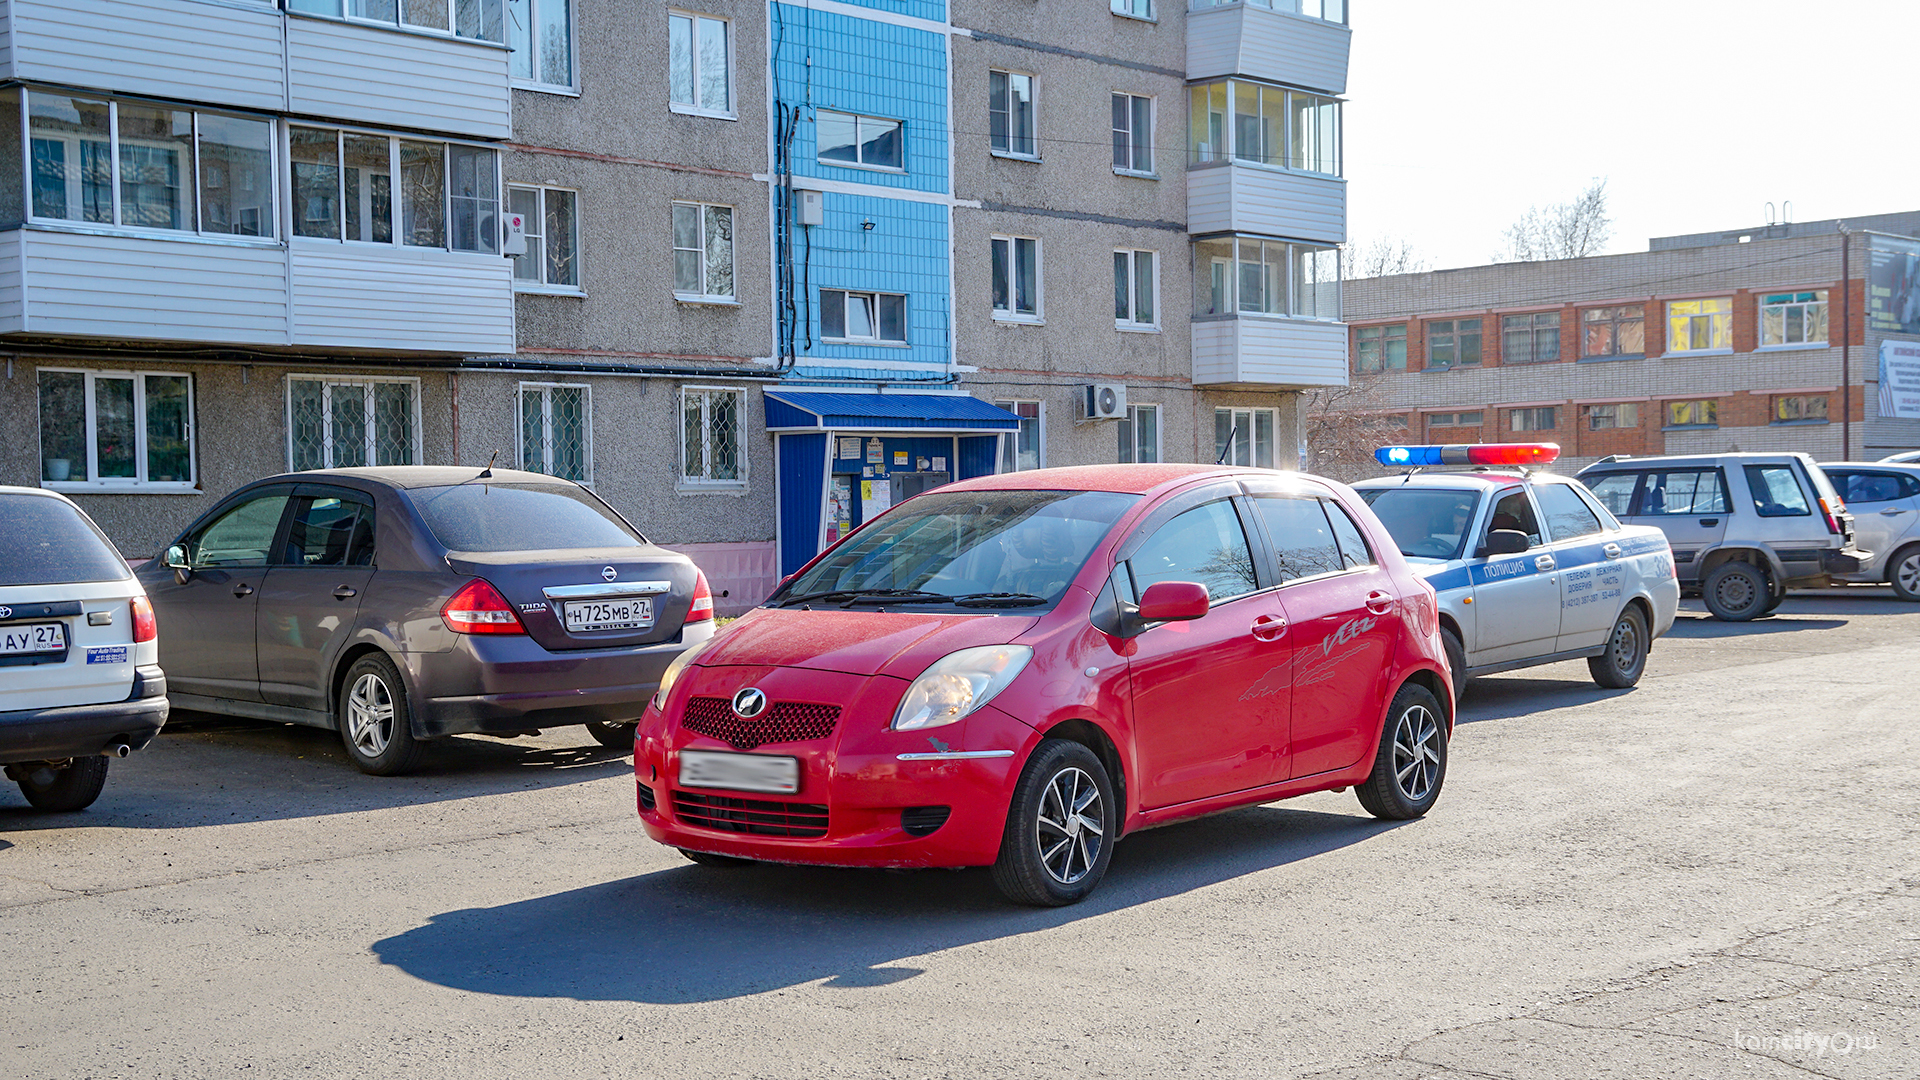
column 115, row 655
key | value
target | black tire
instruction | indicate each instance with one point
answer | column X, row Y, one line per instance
column 374, row 719
column 612, row 735
column 1050, row 855
column 1774, row 600
column 1736, row 591
column 1903, row 572
column 63, row 790
column 1626, row 657
column 1412, row 761
column 1456, row 662
column 708, row 858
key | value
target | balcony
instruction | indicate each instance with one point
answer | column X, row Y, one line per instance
column 1268, row 353
column 1243, row 198
column 1262, row 43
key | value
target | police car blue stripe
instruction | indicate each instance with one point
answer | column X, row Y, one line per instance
column 1480, row 572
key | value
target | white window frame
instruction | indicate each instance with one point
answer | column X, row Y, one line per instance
column 328, row 382
column 688, row 480
column 1011, row 312
column 696, row 107
column 342, row 11
column 1132, row 323
column 546, row 284
column 396, row 205
column 858, row 142
column 1129, row 429
column 138, row 481
column 847, row 295
column 734, row 274
column 1806, row 307
column 1251, row 431
column 544, row 391
column 1014, row 138
column 1725, row 318
column 1153, row 116
column 1006, row 456
column 571, row 87
column 1126, row 9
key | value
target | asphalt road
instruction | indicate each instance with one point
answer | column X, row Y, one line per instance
column 1716, row 874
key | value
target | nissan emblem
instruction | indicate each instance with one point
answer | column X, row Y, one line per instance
column 609, row 573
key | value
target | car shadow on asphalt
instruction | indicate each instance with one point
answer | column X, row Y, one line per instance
column 205, row 770
column 1780, row 622
column 697, row 934
column 1506, row 697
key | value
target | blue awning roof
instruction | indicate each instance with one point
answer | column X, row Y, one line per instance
column 819, row 411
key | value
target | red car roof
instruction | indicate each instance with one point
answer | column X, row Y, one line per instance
column 1131, row 479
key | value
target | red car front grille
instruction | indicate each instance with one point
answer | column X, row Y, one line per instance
column 784, row 721
column 760, row 817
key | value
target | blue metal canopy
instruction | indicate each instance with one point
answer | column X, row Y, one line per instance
column 820, row 411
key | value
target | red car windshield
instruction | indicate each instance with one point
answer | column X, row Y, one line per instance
column 972, row 546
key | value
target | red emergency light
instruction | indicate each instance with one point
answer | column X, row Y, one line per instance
column 1468, row 454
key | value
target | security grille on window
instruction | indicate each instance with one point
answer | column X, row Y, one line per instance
column 1800, row 409
column 868, row 141
column 702, row 251
column 710, row 436
column 863, row 317
column 1453, row 343
column 1699, row 325
column 1022, row 449
column 140, row 166
column 477, row 19
column 114, row 429
column 1796, row 318
column 556, row 430
column 1614, row 331
column 700, row 61
column 1530, row 339
column 1244, row 436
column 1704, row 413
column 1379, row 348
column 1534, row 419
column 344, row 184
column 553, row 238
column 1016, row 277
column 344, row 423
column 1139, row 9
column 1603, row 417
column 1010, row 113
column 1140, row 434
column 1132, row 133
column 1135, row 290
column 540, row 33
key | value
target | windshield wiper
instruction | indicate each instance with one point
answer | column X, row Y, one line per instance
column 999, row 599
column 853, row 596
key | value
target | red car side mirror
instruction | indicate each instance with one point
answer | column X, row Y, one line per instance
column 1174, row 601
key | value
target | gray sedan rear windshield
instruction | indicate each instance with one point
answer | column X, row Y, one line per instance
column 47, row 542
column 519, row 517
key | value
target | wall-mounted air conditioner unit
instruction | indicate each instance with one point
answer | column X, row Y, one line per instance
column 1106, row 401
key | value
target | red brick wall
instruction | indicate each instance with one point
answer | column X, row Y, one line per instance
column 1656, row 328
column 1746, row 321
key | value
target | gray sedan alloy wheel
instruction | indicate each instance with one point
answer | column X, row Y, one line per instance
column 375, row 724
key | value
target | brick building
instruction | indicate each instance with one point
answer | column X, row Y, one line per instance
column 1702, row 344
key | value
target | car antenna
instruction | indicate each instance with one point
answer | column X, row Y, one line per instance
column 1227, row 449
column 487, row 472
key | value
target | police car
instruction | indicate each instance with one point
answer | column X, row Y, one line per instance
column 1530, row 567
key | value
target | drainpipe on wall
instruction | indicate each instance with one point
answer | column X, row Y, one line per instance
column 1846, row 348
column 453, row 396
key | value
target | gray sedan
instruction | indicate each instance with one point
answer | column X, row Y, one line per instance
column 1885, row 500
column 403, row 604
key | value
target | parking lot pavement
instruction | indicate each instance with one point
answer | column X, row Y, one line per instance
column 1716, row 874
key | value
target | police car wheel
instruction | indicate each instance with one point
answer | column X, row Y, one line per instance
column 1456, row 662
column 1626, row 657
column 1736, row 591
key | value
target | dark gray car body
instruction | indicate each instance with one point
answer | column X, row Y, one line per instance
column 273, row 641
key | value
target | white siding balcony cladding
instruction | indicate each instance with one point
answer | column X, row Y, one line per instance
column 1260, row 43
column 223, row 54
column 398, row 78
column 1232, row 197
column 1266, row 353
column 355, row 296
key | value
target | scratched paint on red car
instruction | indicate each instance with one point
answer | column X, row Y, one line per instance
column 1016, row 671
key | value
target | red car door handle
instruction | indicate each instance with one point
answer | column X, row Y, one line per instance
column 1379, row 603
column 1269, row 627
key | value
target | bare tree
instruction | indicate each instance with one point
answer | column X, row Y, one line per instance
column 1345, row 424
column 1380, row 257
column 1568, row 230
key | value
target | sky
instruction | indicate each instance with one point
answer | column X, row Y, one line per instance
column 1698, row 113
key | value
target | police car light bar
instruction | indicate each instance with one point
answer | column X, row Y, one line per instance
column 1468, row 454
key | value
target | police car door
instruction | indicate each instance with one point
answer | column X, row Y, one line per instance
column 1516, row 597
column 1592, row 567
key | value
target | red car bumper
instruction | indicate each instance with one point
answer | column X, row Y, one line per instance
column 869, row 796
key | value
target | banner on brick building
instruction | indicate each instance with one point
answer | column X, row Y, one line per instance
column 1893, row 284
column 1900, row 379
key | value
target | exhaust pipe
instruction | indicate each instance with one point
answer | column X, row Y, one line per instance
column 117, row 749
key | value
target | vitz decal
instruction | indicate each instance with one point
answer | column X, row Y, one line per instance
column 1339, row 647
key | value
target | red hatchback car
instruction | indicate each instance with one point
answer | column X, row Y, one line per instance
column 1016, row 671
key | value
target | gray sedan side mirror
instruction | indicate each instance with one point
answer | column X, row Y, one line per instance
column 176, row 560
column 1505, row 542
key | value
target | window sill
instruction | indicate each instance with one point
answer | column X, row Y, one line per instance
column 711, row 487
column 1008, row 155
column 173, row 235
column 545, row 88
column 705, row 301
column 1451, row 367
column 1149, row 19
column 695, row 110
column 1690, row 354
column 1798, row 423
column 1135, row 173
column 1272, row 167
column 865, row 341
column 1792, row 346
column 863, row 167
column 1018, row 320
column 96, row 487
column 1609, row 359
column 1691, row 427
column 1135, row 328
column 549, row 290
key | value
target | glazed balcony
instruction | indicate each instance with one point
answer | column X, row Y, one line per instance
column 1275, row 43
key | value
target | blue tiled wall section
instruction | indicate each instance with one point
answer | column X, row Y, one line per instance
column 904, row 252
column 870, row 69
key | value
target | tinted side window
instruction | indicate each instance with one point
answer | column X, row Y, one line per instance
column 330, row 530
column 48, row 542
column 1615, row 491
column 1864, row 487
column 1206, row 544
column 1567, row 516
column 1353, row 543
column 1684, row 491
column 1776, row 491
column 1514, row 511
column 239, row 537
column 1303, row 542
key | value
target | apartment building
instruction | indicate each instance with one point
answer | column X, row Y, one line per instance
column 1705, row 343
